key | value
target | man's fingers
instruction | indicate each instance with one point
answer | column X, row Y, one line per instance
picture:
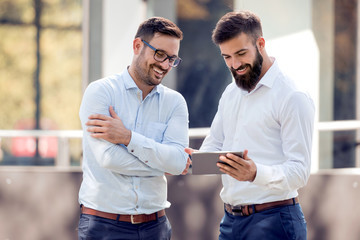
column 225, row 168
column 99, row 123
column 229, row 171
column 99, row 116
column 113, row 113
column 93, row 123
column 245, row 155
column 188, row 163
column 189, row 150
column 232, row 162
column 97, row 135
column 96, row 129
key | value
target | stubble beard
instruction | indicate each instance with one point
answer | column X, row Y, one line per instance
column 143, row 71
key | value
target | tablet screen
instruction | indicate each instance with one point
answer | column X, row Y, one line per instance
column 205, row 162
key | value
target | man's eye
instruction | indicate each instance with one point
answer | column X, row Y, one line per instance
column 160, row 54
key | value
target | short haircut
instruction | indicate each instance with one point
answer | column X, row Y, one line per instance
column 151, row 26
column 234, row 23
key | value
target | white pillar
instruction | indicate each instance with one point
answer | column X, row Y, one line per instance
column 121, row 19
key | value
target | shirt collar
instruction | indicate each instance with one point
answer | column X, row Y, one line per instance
column 128, row 80
column 268, row 79
column 130, row 83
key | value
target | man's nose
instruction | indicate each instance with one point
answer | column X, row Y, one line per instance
column 165, row 64
column 236, row 63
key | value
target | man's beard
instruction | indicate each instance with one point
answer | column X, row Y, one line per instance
column 143, row 72
column 146, row 75
column 249, row 80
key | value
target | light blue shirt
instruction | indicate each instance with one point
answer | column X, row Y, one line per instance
column 131, row 180
column 275, row 122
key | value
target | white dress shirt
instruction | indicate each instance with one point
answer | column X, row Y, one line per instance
column 130, row 180
column 274, row 122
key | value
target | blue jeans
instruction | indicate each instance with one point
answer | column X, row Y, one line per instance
column 286, row 222
column 97, row 228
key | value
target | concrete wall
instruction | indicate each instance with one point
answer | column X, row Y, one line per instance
column 41, row 203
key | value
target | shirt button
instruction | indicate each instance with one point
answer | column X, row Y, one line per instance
column 136, row 206
column 146, row 161
column 132, row 150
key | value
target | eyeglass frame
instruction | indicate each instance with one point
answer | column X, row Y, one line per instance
column 167, row 56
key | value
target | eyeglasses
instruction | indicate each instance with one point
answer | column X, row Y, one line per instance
column 161, row 56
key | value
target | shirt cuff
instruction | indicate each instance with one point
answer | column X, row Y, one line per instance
column 263, row 175
column 135, row 145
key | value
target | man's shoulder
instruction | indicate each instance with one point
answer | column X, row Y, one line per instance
column 167, row 92
column 108, row 82
column 287, row 90
column 231, row 89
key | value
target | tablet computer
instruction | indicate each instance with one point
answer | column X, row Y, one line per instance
column 205, row 162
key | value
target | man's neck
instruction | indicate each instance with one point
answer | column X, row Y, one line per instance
column 267, row 63
column 145, row 88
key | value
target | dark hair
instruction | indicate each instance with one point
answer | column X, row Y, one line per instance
column 153, row 25
column 234, row 23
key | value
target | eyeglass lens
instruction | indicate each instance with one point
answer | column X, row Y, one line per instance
column 161, row 56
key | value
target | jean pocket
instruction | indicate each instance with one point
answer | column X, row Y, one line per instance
column 83, row 226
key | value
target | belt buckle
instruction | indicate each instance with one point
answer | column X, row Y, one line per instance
column 237, row 210
column 132, row 220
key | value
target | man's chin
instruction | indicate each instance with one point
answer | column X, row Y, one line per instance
column 156, row 81
column 241, row 83
column 245, row 88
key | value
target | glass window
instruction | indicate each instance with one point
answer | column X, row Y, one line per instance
column 40, row 71
column 203, row 75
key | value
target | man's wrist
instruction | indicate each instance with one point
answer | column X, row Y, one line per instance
column 128, row 138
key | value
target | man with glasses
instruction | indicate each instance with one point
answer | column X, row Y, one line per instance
column 135, row 131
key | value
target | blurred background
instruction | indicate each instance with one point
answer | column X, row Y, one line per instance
column 50, row 50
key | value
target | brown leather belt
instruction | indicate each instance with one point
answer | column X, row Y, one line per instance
column 134, row 219
column 246, row 210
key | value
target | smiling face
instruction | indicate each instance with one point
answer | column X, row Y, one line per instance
column 243, row 59
column 148, row 71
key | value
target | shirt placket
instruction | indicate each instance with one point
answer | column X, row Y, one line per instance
column 138, row 128
column 239, row 121
column 136, row 187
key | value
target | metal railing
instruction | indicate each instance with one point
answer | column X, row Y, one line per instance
column 63, row 154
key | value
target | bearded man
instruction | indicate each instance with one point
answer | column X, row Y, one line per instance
column 264, row 115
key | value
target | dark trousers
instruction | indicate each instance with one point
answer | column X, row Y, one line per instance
column 286, row 222
column 97, row 228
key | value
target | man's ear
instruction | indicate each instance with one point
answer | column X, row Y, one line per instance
column 137, row 45
column 260, row 43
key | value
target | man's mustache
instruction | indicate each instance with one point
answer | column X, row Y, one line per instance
column 240, row 67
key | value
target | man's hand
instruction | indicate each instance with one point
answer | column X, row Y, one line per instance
column 242, row 169
column 109, row 128
column 188, row 163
